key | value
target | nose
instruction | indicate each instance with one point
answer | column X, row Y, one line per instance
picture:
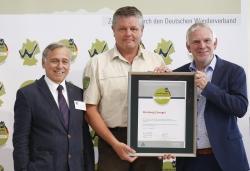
column 202, row 44
column 128, row 31
column 59, row 64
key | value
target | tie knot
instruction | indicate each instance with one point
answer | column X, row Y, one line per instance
column 60, row 88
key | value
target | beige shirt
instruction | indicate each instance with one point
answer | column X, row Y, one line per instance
column 108, row 82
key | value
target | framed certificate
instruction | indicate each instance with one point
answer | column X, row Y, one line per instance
column 162, row 110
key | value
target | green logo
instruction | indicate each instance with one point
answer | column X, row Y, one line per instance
column 94, row 138
column 1, row 168
column 28, row 52
column 165, row 49
column 4, row 133
column 98, row 47
column 162, row 96
column 3, row 51
column 72, row 46
column 28, row 82
column 86, row 81
column 2, row 92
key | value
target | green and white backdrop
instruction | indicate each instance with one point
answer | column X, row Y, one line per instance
column 28, row 26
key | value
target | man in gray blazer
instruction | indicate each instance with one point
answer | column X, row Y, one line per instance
column 50, row 132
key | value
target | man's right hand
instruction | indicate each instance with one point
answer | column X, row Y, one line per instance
column 124, row 151
column 162, row 69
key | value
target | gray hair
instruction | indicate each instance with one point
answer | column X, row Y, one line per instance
column 194, row 27
column 128, row 11
column 52, row 47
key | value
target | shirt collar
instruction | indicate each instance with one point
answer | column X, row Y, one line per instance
column 211, row 66
column 52, row 85
column 117, row 54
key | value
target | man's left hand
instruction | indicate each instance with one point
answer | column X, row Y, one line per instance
column 200, row 79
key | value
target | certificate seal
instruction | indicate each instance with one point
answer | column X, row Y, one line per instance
column 162, row 96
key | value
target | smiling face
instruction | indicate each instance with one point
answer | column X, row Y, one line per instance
column 127, row 32
column 57, row 64
column 201, row 44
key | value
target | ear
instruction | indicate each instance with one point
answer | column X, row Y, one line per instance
column 215, row 43
column 112, row 27
column 188, row 47
column 43, row 63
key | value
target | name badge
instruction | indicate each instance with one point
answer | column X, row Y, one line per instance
column 80, row 105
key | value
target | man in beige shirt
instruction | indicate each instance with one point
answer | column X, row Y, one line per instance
column 106, row 95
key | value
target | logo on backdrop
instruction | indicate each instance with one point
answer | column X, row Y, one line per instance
column 98, row 47
column 72, row 46
column 165, row 49
column 2, row 92
column 3, row 51
column 1, row 168
column 29, row 51
column 28, row 82
column 4, row 133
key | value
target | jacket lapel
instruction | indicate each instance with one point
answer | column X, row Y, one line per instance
column 43, row 87
column 218, row 71
column 71, row 102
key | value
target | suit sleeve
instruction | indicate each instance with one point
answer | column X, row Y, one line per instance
column 22, row 126
column 231, row 95
column 89, row 160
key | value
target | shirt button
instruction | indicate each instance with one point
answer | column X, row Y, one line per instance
column 69, row 156
column 69, row 136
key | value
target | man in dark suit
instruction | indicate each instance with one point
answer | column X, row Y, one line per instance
column 222, row 98
column 50, row 132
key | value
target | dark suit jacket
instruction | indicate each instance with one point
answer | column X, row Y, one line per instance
column 226, row 96
column 40, row 140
